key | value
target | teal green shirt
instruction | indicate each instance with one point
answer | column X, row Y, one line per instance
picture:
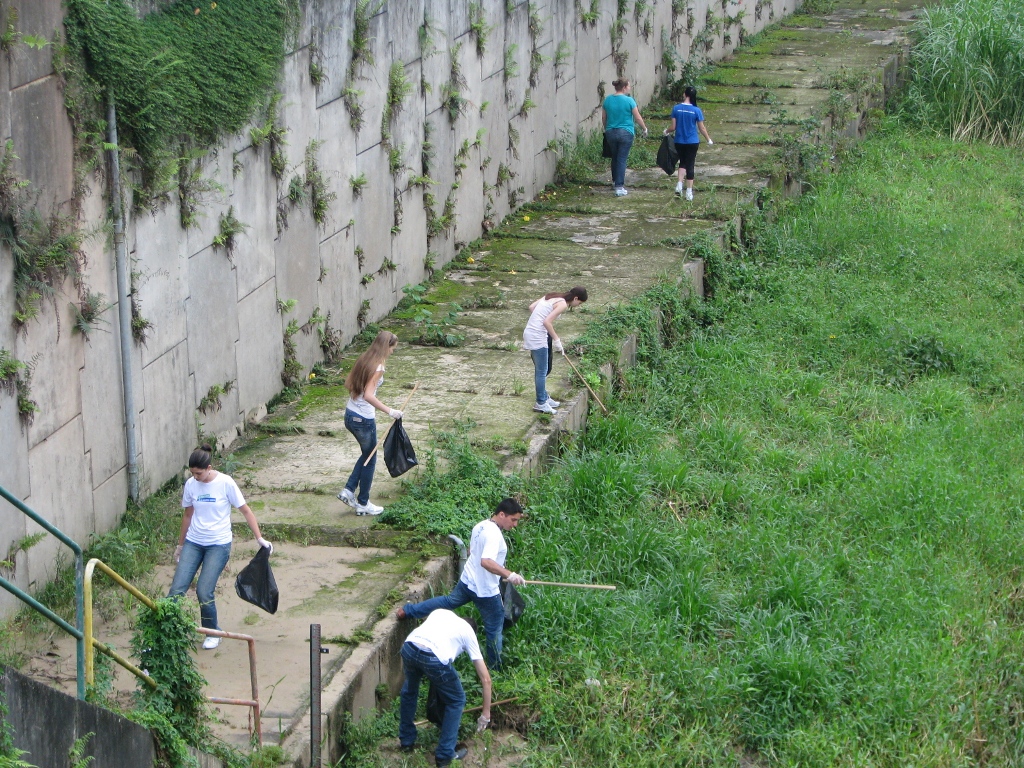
column 619, row 108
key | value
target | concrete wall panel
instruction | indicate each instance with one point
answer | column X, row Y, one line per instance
column 102, row 400
column 61, row 493
column 41, row 18
column 260, row 353
column 212, row 316
column 296, row 109
column 42, row 140
column 109, row 498
column 255, row 198
column 168, row 420
column 335, row 158
column 159, row 256
column 337, row 293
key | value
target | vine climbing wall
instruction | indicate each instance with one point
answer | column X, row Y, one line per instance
column 266, row 228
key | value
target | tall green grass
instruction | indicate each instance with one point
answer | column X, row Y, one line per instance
column 968, row 67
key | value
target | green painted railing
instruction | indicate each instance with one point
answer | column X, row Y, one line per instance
column 76, row 631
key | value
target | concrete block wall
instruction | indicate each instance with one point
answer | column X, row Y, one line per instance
column 216, row 319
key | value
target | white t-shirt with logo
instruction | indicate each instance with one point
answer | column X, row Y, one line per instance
column 487, row 541
column 211, row 504
column 360, row 406
column 446, row 636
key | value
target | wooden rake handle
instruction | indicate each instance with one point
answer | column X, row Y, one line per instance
column 577, row 586
column 585, row 384
column 380, row 442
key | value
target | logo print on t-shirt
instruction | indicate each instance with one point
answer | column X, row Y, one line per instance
column 206, row 497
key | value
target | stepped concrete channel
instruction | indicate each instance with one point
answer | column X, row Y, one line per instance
column 339, row 570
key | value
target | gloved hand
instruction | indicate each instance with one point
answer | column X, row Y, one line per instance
column 177, row 553
column 645, row 133
column 394, row 413
column 557, row 345
column 482, row 723
column 266, row 545
column 710, row 142
column 515, row 579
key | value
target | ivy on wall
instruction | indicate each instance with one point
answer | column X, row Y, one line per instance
column 187, row 74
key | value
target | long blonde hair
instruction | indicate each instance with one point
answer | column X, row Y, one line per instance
column 366, row 365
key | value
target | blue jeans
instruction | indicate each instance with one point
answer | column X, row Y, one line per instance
column 212, row 559
column 620, row 140
column 492, row 612
column 365, row 431
column 419, row 664
column 541, row 369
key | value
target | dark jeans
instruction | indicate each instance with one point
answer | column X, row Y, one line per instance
column 492, row 612
column 212, row 560
column 365, row 431
column 687, row 157
column 418, row 664
column 620, row 141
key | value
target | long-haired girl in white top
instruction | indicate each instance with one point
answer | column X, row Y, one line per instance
column 360, row 419
column 540, row 339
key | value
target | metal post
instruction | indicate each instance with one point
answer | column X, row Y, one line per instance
column 80, row 622
column 314, row 696
column 124, row 302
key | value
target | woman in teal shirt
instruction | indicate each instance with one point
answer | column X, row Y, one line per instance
column 617, row 115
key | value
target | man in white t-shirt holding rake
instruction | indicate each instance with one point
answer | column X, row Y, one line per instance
column 480, row 578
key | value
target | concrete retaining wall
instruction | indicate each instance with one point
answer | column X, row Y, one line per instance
column 216, row 320
column 46, row 724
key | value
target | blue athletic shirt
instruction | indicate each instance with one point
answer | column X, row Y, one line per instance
column 619, row 108
column 687, row 116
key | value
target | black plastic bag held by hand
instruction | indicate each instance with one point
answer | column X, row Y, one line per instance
column 398, row 453
column 513, row 603
column 256, row 584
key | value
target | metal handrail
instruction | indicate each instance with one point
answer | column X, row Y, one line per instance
column 90, row 642
column 77, row 632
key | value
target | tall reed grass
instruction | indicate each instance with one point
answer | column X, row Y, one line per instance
column 968, row 68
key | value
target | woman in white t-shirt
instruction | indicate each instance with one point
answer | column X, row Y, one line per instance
column 540, row 339
column 363, row 381
column 205, row 540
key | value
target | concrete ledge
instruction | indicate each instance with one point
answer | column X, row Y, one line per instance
column 352, row 692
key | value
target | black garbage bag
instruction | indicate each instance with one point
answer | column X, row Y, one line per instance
column 606, row 148
column 256, row 584
column 668, row 158
column 513, row 602
column 399, row 455
column 435, row 707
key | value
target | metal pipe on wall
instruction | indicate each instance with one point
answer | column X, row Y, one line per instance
column 124, row 307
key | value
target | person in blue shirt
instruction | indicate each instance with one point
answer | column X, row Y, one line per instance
column 687, row 125
column 618, row 111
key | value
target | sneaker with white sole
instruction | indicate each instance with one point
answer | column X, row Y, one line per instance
column 545, row 408
column 621, row 192
column 347, row 497
column 210, row 643
column 679, row 188
column 369, row 508
column 689, row 194
column 554, row 403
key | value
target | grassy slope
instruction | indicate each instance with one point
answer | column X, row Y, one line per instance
column 838, row 587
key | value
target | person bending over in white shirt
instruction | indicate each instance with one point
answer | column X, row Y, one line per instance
column 428, row 652
column 479, row 582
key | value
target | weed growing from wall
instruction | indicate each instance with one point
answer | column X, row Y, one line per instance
column 361, row 40
column 230, row 228
column 179, row 72
column 452, row 100
column 478, row 27
column 320, row 198
column 355, row 108
column 211, row 400
column 87, row 312
column 291, row 372
column 273, row 135
column 16, row 380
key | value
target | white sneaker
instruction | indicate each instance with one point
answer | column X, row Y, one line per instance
column 210, row 643
column 348, row 497
column 689, row 194
column 554, row 403
column 621, row 192
column 369, row 508
column 545, row 408
column 679, row 188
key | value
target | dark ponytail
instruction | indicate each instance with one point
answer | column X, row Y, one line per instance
column 690, row 93
column 579, row 292
column 200, row 458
